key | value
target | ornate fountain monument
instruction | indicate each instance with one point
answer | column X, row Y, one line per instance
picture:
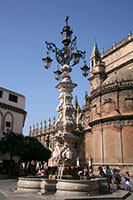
column 65, row 137
column 64, row 153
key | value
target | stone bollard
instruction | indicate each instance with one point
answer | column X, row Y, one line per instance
column 103, row 185
column 48, row 186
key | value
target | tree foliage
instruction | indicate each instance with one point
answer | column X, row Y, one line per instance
column 11, row 143
column 27, row 148
column 34, row 150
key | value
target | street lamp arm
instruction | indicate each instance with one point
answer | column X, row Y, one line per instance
column 51, row 47
column 58, row 53
column 74, row 43
column 63, row 56
column 82, row 53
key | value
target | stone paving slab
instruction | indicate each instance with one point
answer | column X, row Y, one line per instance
column 116, row 195
column 7, row 192
column 119, row 194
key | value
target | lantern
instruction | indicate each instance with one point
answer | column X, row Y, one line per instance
column 47, row 62
column 57, row 74
column 66, row 35
column 85, row 70
column 76, row 57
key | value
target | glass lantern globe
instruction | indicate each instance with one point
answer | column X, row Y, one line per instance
column 66, row 35
column 47, row 62
column 85, row 70
column 57, row 74
column 76, row 57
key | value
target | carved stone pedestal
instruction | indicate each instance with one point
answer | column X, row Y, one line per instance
column 65, row 140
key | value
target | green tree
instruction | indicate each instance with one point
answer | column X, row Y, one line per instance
column 34, row 150
column 25, row 147
column 28, row 148
column 11, row 143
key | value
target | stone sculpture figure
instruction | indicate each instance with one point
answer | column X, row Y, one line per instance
column 56, row 154
column 67, row 155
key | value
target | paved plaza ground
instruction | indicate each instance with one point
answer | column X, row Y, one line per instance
column 8, row 186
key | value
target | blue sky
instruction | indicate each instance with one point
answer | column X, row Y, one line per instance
column 26, row 24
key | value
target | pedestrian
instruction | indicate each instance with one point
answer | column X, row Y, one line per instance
column 39, row 171
column 101, row 172
column 91, row 174
column 127, row 181
column 85, row 173
column 116, row 178
column 109, row 177
column 120, row 175
column 80, row 173
column 43, row 172
column 104, row 170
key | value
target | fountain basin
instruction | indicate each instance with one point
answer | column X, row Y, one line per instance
column 28, row 184
column 77, row 187
column 67, row 187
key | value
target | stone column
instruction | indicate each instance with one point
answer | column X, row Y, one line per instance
column 65, row 123
column 65, row 109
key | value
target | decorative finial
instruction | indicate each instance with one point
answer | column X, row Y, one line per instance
column 33, row 127
column 102, row 49
column 76, row 102
column 41, row 126
column 44, row 124
column 129, row 33
column 66, row 20
column 30, row 129
column 53, row 121
column 86, row 96
column 49, row 122
column 114, row 43
column 37, row 126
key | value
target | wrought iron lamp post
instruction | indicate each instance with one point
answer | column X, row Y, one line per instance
column 68, row 55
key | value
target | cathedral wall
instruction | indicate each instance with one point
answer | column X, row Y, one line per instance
column 86, row 119
column 88, row 145
column 109, row 104
column 82, row 160
column 95, row 109
column 112, row 144
column 127, row 141
column 95, row 82
column 112, row 128
column 118, row 56
column 126, row 101
column 97, row 145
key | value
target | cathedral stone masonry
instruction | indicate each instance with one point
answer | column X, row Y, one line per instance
column 102, row 129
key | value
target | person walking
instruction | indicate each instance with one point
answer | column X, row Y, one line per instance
column 116, row 178
column 127, row 181
column 109, row 177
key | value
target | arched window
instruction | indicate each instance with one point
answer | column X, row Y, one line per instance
column 8, row 122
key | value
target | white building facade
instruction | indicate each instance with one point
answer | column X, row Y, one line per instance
column 12, row 111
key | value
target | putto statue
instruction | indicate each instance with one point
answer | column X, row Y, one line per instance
column 56, row 155
column 67, row 155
